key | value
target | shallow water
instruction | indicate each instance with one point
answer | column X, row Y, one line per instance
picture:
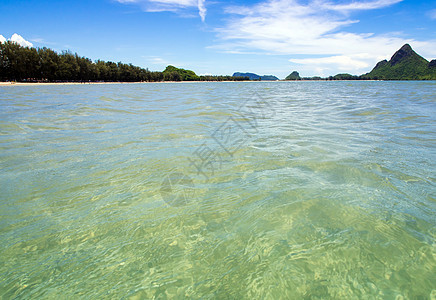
column 219, row 190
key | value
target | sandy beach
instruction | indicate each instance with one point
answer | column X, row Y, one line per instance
column 59, row 83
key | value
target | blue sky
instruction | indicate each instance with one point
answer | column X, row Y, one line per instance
column 314, row 37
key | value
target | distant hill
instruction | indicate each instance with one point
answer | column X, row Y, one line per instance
column 268, row 78
column 405, row 64
column 344, row 76
column 177, row 74
column 293, row 76
column 253, row 76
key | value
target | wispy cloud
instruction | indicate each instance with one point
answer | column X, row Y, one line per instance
column 16, row 38
column 42, row 41
column 169, row 5
column 158, row 62
column 318, row 27
column 353, row 6
column 155, row 60
column 432, row 14
column 202, row 9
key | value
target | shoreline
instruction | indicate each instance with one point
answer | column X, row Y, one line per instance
column 59, row 83
column 142, row 82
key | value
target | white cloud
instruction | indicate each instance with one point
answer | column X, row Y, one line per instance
column 169, row 5
column 342, row 61
column 16, row 38
column 324, row 65
column 432, row 14
column 292, row 28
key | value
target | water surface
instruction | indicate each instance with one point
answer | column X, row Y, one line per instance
column 259, row 190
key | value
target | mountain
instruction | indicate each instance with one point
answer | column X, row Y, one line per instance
column 405, row 64
column 253, row 76
column 293, row 76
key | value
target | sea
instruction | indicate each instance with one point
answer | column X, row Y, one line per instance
column 218, row 190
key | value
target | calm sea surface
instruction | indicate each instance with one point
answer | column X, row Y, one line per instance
column 296, row 190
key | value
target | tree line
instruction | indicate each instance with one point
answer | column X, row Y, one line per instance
column 28, row 64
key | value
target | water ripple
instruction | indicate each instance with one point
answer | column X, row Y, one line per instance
column 329, row 193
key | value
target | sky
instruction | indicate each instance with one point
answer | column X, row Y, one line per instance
column 267, row 37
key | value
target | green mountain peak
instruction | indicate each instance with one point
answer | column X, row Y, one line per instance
column 406, row 52
column 405, row 64
column 293, row 76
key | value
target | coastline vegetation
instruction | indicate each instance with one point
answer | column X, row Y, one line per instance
column 25, row 64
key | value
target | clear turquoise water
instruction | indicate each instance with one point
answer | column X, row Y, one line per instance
column 318, row 190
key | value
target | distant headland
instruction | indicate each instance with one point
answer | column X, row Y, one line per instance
column 27, row 64
column 256, row 77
